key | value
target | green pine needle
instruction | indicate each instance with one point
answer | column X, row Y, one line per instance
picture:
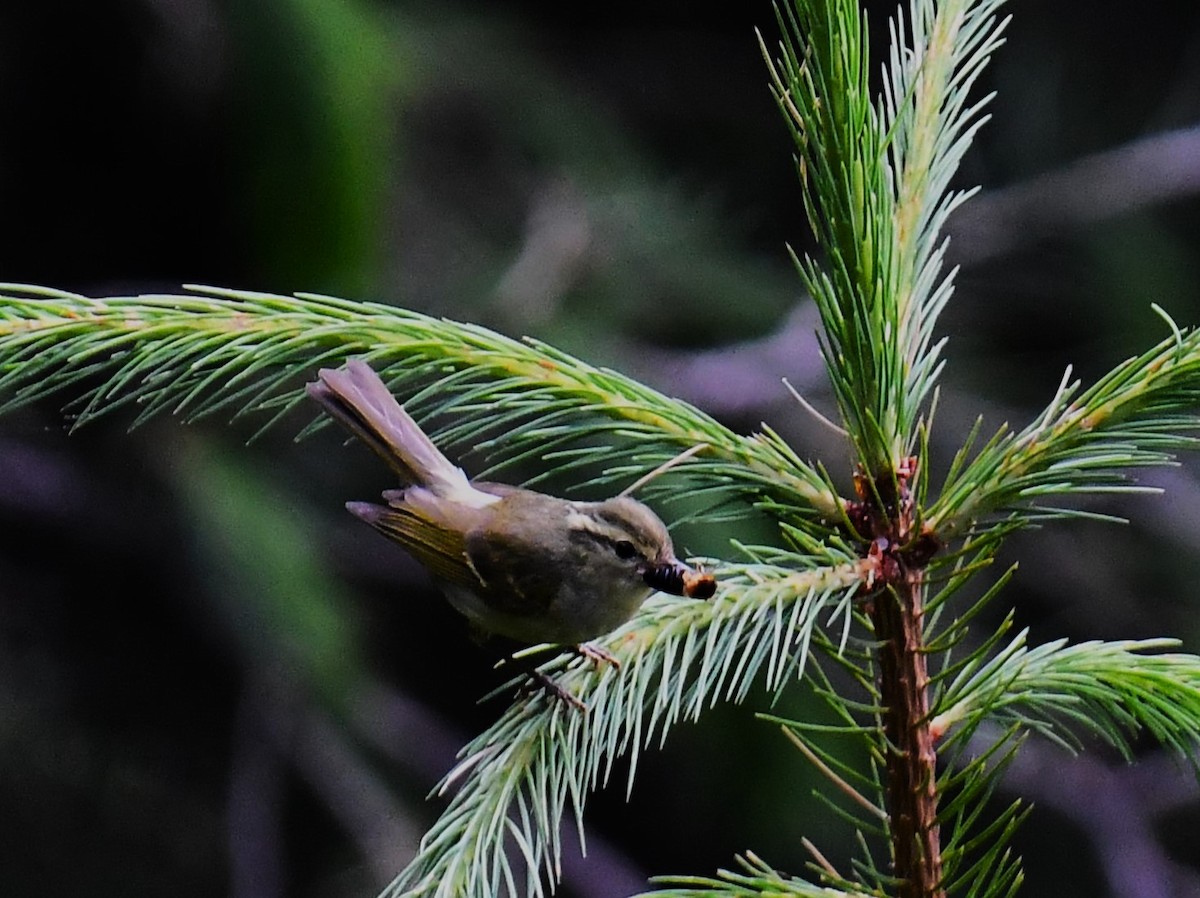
column 1109, row 689
column 755, row 879
column 1083, row 442
column 876, row 178
column 247, row 354
column 516, row 781
column 876, row 174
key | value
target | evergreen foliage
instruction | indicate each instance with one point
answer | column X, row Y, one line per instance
column 857, row 594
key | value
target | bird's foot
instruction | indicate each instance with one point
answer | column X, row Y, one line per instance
column 597, row 654
column 554, row 689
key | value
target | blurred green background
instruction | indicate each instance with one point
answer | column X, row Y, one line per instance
column 214, row 681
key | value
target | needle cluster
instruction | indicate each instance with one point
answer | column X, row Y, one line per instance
column 859, row 598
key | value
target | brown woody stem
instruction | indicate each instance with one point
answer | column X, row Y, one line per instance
column 897, row 616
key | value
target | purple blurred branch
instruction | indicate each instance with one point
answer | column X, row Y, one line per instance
column 1116, row 808
column 741, row 379
column 1150, row 171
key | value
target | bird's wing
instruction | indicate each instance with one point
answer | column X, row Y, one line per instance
column 518, row 578
column 459, row 545
column 431, row 541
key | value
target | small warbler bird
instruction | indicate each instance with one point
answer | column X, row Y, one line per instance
column 517, row 563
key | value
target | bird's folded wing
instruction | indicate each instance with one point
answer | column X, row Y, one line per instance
column 520, row 579
column 438, row 547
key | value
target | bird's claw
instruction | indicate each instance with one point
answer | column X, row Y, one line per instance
column 597, row 654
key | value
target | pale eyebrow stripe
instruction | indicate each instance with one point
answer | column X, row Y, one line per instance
column 603, row 530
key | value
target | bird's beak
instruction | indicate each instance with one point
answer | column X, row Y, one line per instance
column 678, row 579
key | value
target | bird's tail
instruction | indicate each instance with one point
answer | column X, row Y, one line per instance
column 360, row 400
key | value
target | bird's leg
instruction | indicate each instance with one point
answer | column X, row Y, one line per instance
column 591, row 651
column 551, row 687
column 528, row 667
column 597, row 654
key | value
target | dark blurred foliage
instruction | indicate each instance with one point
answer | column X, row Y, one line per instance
column 213, row 681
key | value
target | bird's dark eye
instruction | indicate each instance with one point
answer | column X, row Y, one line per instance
column 624, row 548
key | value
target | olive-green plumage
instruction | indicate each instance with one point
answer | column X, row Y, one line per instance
column 515, row 562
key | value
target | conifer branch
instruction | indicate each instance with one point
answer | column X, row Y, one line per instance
column 239, row 353
column 1135, row 416
column 1111, row 689
column 876, row 184
column 855, row 579
column 517, row 780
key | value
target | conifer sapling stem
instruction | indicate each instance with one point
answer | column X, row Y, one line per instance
column 899, row 551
